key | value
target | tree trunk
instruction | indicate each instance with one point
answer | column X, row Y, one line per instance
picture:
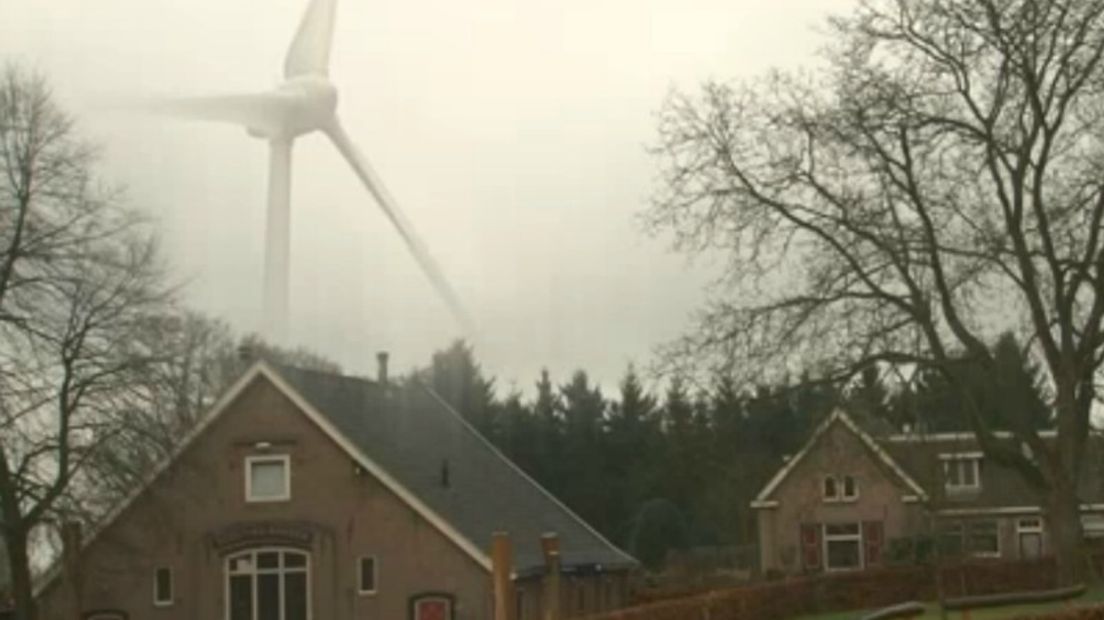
column 1064, row 527
column 22, row 586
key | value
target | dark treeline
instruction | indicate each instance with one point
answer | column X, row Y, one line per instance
column 678, row 468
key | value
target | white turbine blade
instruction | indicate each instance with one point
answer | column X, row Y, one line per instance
column 263, row 112
column 391, row 209
column 310, row 51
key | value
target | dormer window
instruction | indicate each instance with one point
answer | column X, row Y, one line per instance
column 962, row 472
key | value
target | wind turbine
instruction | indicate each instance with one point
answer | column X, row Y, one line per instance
column 304, row 103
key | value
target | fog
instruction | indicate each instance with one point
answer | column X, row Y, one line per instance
column 513, row 132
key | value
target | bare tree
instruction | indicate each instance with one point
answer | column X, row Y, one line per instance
column 79, row 279
column 194, row 359
column 940, row 181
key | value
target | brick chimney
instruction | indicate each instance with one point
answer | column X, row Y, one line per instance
column 381, row 358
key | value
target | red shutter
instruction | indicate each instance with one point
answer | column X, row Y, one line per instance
column 810, row 546
column 873, row 541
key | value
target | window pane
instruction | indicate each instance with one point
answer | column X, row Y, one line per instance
column 969, row 472
column 951, row 468
column 843, row 554
column 294, row 560
column 241, row 598
column 367, row 574
column 241, row 564
column 982, row 537
column 163, row 587
column 295, row 596
column 830, row 487
column 849, row 489
column 268, row 559
column 268, row 479
column 268, row 597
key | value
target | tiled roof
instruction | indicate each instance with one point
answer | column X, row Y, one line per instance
column 1001, row 485
column 420, row 441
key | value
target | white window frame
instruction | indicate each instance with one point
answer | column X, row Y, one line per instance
column 844, row 497
column 159, row 602
column 966, row 538
column 254, row 571
column 1034, row 528
column 1028, row 526
column 1092, row 525
column 360, row 575
column 250, row 461
column 824, row 489
column 962, row 459
column 826, row 537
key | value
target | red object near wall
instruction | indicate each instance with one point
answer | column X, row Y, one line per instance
column 873, row 540
column 810, row 546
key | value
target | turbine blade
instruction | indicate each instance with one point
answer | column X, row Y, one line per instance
column 310, row 51
column 262, row 112
column 391, row 209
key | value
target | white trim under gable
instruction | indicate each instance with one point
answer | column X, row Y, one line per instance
column 919, row 437
column 260, row 369
column 373, row 468
column 763, row 498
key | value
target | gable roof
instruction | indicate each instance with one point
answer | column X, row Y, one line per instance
column 371, row 428
column 413, row 436
column 837, row 417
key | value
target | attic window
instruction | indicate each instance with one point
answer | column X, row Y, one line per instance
column 831, row 489
column 962, row 472
column 850, row 488
column 267, row 478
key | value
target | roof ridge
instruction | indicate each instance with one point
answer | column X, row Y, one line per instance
column 324, row 373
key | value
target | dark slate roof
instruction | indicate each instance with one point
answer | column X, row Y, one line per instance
column 412, row 434
column 1001, row 486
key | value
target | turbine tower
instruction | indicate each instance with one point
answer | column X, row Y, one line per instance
column 304, row 103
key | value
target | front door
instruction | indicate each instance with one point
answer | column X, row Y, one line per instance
column 431, row 607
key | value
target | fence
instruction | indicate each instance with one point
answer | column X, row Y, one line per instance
column 779, row 600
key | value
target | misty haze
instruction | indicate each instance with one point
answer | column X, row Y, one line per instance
column 521, row 309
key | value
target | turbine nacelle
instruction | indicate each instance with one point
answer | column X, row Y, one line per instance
column 307, row 104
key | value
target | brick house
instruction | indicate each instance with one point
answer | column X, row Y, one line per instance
column 851, row 499
column 308, row 495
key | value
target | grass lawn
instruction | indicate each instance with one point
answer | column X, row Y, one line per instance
column 1093, row 596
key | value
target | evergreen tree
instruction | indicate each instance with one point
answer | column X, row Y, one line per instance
column 583, row 455
column 458, row 379
column 632, row 446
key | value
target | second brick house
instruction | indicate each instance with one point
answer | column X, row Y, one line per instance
column 852, row 499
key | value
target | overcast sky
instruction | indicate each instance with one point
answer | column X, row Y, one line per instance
column 514, row 132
